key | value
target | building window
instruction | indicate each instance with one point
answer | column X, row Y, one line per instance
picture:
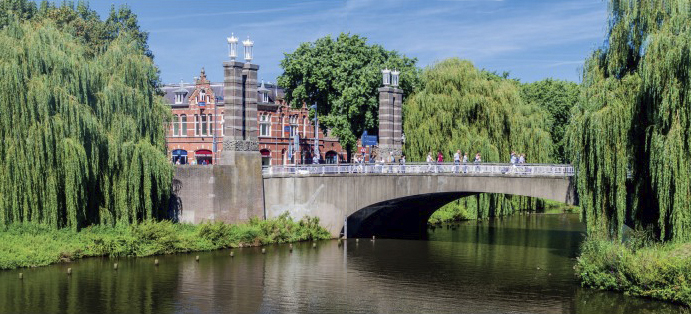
column 265, row 98
column 196, row 125
column 183, row 125
column 202, row 96
column 265, row 125
column 204, row 126
column 176, row 125
column 304, row 126
column 212, row 127
column 293, row 125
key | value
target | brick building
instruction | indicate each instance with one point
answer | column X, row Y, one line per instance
column 196, row 133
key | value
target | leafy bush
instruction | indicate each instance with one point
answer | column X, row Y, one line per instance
column 660, row 271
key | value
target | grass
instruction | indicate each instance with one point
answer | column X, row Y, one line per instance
column 31, row 245
column 654, row 270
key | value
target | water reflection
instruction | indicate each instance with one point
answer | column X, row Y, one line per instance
column 485, row 267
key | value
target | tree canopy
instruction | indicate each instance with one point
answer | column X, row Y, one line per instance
column 341, row 76
column 82, row 129
column 557, row 97
column 634, row 117
column 459, row 107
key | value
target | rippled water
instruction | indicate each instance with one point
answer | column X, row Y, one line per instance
column 485, row 267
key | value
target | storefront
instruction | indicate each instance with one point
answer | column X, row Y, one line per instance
column 266, row 157
column 179, row 157
column 331, row 157
column 204, row 157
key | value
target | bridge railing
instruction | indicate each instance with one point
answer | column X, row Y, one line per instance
column 422, row 168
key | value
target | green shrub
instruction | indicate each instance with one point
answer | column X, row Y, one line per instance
column 660, row 271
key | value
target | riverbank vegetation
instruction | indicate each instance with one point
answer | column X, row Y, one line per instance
column 32, row 244
column 630, row 139
column 639, row 268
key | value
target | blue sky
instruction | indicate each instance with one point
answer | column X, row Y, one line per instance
column 532, row 39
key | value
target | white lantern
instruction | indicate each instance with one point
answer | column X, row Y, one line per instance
column 386, row 77
column 232, row 47
column 248, row 49
column 394, row 78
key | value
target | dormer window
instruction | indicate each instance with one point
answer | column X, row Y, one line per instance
column 179, row 98
column 265, row 97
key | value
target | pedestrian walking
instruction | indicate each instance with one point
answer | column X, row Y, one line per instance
column 429, row 162
column 465, row 161
column 457, row 161
column 440, row 160
column 478, row 160
column 402, row 162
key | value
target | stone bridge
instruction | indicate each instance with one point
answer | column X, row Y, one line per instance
column 379, row 199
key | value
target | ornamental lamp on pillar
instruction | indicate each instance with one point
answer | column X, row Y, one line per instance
column 232, row 47
column 386, row 76
column 248, row 49
column 394, row 78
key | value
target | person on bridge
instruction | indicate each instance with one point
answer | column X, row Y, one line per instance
column 440, row 160
column 465, row 161
column 478, row 159
column 402, row 162
column 429, row 162
column 513, row 161
column 521, row 160
column 457, row 161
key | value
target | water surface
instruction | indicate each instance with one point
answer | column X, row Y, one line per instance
column 521, row 264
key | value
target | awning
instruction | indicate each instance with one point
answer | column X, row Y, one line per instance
column 266, row 153
column 203, row 153
column 179, row 152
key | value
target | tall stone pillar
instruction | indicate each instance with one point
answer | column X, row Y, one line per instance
column 240, row 95
column 390, row 126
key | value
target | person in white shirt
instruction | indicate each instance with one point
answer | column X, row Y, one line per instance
column 457, row 161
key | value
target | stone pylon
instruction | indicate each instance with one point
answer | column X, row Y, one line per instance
column 390, row 122
column 240, row 116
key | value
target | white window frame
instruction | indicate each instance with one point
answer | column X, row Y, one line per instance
column 265, row 121
column 176, row 121
column 196, row 125
column 204, row 125
column 293, row 122
column 183, row 125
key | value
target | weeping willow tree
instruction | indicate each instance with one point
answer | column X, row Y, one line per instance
column 461, row 107
column 634, row 117
column 82, row 135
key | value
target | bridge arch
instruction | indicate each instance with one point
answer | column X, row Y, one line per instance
column 360, row 197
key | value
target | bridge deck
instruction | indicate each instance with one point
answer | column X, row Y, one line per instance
column 481, row 169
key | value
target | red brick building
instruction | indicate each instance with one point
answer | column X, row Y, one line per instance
column 196, row 133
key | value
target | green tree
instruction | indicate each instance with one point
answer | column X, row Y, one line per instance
column 341, row 76
column 82, row 131
column 19, row 9
column 557, row 97
column 634, row 117
column 459, row 107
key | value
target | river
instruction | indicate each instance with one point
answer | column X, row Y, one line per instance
column 521, row 264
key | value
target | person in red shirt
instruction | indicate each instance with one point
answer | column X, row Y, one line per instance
column 440, row 160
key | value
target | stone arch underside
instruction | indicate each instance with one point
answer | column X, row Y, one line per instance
column 376, row 204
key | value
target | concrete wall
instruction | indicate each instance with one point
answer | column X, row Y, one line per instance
column 332, row 198
column 227, row 193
